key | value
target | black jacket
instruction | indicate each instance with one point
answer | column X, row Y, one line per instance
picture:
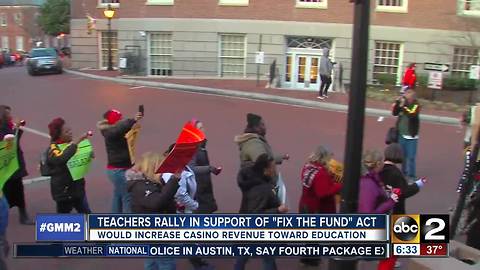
column 258, row 195
column 149, row 197
column 117, row 148
column 62, row 186
column 413, row 119
column 200, row 165
column 22, row 170
column 392, row 176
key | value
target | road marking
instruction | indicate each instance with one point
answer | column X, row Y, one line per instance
column 35, row 180
column 36, row 132
column 77, row 78
column 137, row 87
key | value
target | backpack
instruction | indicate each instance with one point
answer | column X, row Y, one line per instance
column 45, row 169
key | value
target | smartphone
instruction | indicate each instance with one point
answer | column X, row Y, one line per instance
column 141, row 109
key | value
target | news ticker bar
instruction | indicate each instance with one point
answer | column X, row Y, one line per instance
column 421, row 250
column 213, row 228
column 69, row 250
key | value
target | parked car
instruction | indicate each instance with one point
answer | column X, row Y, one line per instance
column 2, row 61
column 44, row 60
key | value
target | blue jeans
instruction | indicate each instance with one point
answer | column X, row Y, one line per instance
column 409, row 147
column 268, row 263
column 161, row 263
column 121, row 197
column 3, row 232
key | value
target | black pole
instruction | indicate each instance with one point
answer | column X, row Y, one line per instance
column 110, row 64
column 356, row 117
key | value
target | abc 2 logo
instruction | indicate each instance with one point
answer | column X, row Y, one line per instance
column 416, row 229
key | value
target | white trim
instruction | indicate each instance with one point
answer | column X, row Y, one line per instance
column 462, row 11
column 242, row 3
column 321, row 5
column 220, row 57
column 160, row 2
column 392, row 9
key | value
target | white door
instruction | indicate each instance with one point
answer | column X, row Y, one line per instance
column 306, row 74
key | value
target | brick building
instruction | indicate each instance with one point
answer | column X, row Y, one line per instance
column 220, row 38
column 18, row 27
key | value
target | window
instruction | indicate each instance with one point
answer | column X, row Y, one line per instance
column 233, row 2
column 469, row 7
column 3, row 19
column 387, row 59
column 19, row 41
column 5, row 44
column 104, row 49
column 18, row 18
column 232, row 55
column 160, row 2
column 311, row 4
column 400, row 6
column 105, row 3
column 463, row 58
column 161, row 54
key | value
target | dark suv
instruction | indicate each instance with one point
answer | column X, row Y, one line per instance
column 44, row 60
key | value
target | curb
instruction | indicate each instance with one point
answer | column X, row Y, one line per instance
column 260, row 97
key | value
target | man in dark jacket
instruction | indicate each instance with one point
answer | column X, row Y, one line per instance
column 408, row 111
column 114, row 129
column 68, row 194
column 259, row 197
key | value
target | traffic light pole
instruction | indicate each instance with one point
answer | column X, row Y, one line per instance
column 356, row 118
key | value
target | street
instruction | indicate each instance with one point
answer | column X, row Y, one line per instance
column 293, row 130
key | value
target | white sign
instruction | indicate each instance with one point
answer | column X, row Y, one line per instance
column 435, row 80
column 475, row 72
column 259, row 57
column 122, row 63
column 437, row 67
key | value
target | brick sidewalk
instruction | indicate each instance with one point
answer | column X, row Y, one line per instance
column 251, row 86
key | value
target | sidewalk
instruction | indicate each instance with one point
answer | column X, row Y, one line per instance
column 249, row 88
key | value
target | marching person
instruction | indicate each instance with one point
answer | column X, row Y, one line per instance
column 152, row 195
column 319, row 189
column 409, row 78
column 326, row 68
column 374, row 198
column 13, row 189
column 393, row 177
column 114, row 128
column 257, row 183
column 203, row 171
column 252, row 142
column 67, row 193
column 407, row 109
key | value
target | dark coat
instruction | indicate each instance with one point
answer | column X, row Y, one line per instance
column 412, row 114
column 200, row 165
column 62, row 186
column 392, row 176
column 258, row 195
column 22, row 171
column 117, row 147
column 319, row 189
column 149, row 197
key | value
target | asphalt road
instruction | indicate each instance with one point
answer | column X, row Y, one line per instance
column 292, row 130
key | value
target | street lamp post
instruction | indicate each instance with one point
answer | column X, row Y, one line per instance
column 356, row 117
column 109, row 13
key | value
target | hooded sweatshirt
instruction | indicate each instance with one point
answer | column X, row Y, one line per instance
column 258, row 195
column 117, row 147
column 326, row 65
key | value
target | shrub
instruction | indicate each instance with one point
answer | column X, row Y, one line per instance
column 386, row 79
column 459, row 84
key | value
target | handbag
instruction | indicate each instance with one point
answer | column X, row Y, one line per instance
column 392, row 135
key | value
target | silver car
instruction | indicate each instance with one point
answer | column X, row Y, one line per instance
column 44, row 60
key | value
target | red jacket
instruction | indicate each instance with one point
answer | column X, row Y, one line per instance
column 410, row 78
column 319, row 190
